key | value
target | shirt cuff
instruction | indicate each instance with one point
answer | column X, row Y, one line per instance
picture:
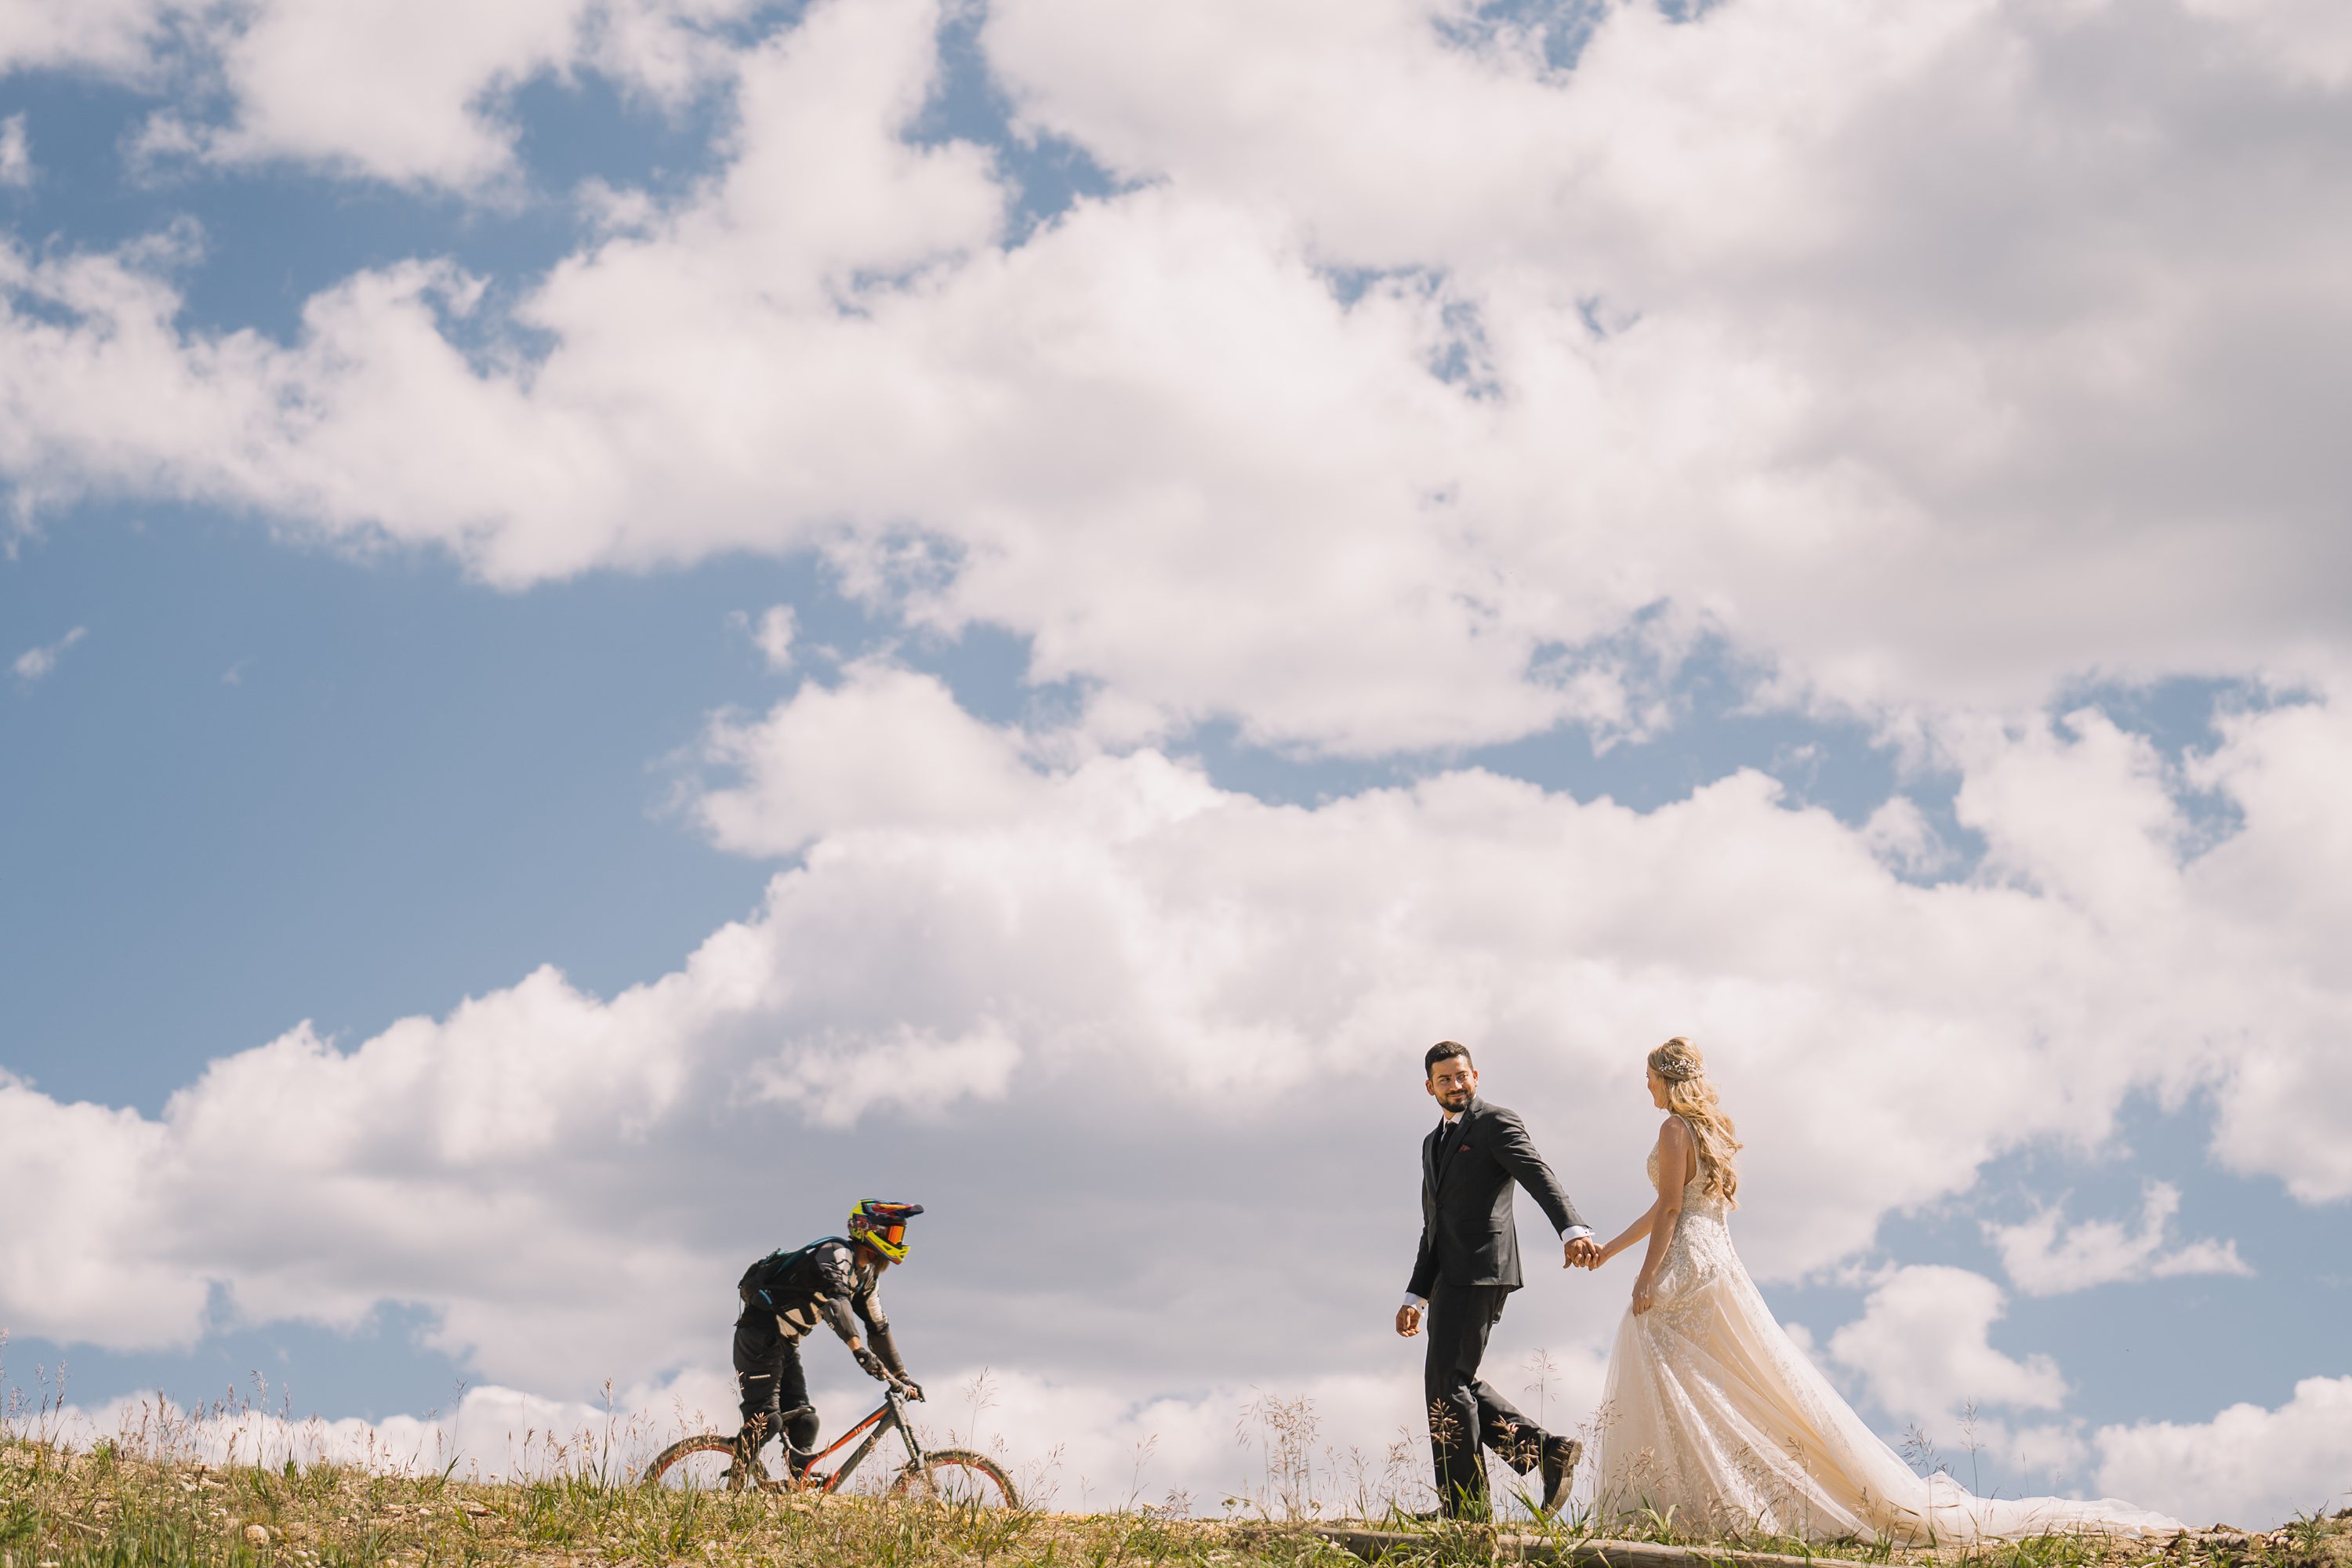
column 1420, row 1301
column 1573, row 1231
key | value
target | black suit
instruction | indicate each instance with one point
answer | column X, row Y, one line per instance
column 1467, row 1265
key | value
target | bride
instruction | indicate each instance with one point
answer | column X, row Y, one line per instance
column 1711, row 1410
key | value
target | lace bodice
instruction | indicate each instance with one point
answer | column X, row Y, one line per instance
column 1700, row 1249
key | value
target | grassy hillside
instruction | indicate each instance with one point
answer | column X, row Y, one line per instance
column 107, row 1509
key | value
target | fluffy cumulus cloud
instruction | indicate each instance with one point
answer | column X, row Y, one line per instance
column 93, row 1285
column 414, row 94
column 392, row 91
column 887, row 746
column 1922, row 1346
column 1422, row 367
column 1101, row 997
column 2046, row 1255
column 117, row 36
column 2245, row 1463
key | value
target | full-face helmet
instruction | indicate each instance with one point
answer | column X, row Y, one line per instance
column 882, row 1225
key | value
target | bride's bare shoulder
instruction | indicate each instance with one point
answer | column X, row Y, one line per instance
column 1674, row 1132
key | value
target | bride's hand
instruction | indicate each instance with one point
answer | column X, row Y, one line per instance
column 1645, row 1295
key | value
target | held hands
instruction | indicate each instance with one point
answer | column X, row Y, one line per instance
column 1408, row 1320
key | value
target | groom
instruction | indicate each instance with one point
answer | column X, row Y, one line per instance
column 1468, row 1265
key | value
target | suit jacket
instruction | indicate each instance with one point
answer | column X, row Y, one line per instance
column 1468, row 1233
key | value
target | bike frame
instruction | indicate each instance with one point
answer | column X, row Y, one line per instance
column 891, row 1416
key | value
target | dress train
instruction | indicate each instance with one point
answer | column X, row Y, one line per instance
column 1713, row 1413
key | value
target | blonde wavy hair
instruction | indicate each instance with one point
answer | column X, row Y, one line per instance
column 1691, row 1095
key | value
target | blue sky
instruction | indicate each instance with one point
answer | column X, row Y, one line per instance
column 402, row 639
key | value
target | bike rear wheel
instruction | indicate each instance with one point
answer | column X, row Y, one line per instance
column 958, row 1477
column 708, row 1462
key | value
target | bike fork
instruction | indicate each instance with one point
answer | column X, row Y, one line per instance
column 906, row 1433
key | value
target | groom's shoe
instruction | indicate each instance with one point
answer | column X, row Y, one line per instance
column 1559, row 1457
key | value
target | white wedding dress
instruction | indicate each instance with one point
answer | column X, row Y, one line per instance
column 1712, row 1411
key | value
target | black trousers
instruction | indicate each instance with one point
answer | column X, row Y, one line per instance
column 774, row 1387
column 1465, row 1412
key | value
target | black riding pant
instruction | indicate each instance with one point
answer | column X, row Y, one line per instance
column 774, row 1388
column 1465, row 1412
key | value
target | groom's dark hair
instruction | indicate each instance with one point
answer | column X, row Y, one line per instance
column 1445, row 1050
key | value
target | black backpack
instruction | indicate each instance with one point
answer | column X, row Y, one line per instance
column 766, row 1274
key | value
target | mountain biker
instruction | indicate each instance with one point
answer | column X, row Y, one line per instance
column 786, row 1293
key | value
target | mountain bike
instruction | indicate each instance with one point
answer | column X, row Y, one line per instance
column 943, row 1475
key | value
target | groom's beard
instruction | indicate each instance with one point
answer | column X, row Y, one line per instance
column 1454, row 1102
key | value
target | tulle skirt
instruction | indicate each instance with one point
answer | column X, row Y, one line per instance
column 1715, row 1422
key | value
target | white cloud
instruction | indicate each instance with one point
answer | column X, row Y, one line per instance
column 2054, row 1450
column 2248, row 1466
column 1922, row 1346
column 1902, row 835
column 37, row 663
column 77, row 1264
column 911, row 1073
column 1859, row 211
column 2047, row 1257
column 394, row 90
column 772, row 634
column 416, row 93
column 888, row 746
column 1833, row 354
column 114, row 37
column 16, row 152
column 1036, row 1012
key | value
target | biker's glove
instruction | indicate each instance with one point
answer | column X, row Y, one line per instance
column 914, row 1390
column 872, row 1365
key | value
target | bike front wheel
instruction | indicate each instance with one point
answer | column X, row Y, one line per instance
column 708, row 1461
column 958, row 1477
